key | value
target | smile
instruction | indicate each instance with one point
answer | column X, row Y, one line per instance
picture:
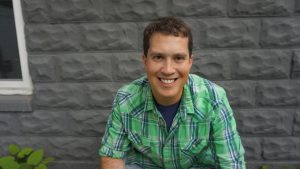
column 167, row 81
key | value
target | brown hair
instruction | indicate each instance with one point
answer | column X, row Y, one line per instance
column 169, row 26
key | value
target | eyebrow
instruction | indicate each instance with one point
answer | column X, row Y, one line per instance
column 180, row 54
column 162, row 54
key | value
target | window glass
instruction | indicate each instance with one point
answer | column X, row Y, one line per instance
column 9, row 54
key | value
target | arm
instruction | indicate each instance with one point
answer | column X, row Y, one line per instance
column 114, row 143
column 111, row 163
column 228, row 149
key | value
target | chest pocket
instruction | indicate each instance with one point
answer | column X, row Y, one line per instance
column 196, row 140
column 141, row 144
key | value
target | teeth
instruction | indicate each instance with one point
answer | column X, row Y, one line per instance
column 167, row 81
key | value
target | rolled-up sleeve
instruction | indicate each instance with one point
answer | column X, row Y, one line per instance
column 114, row 143
column 228, row 149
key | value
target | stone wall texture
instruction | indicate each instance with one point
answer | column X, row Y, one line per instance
column 82, row 51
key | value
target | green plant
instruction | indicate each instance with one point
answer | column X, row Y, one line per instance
column 284, row 167
column 265, row 167
column 27, row 158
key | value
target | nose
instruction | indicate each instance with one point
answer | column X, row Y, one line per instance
column 168, row 67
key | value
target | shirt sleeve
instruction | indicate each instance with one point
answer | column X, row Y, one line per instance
column 114, row 143
column 227, row 146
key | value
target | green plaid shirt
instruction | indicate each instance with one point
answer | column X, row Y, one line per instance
column 203, row 133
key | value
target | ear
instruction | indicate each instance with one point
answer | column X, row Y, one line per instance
column 144, row 59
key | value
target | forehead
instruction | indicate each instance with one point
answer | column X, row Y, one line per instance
column 160, row 41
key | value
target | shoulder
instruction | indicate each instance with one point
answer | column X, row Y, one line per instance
column 135, row 86
column 132, row 93
column 206, row 96
column 206, row 89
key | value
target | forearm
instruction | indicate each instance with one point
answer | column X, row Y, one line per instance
column 111, row 163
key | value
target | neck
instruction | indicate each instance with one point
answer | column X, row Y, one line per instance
column 167, row 101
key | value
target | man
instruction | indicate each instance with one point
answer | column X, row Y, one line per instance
column 170, row 119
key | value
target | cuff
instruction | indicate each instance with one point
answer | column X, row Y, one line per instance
column 108, row 152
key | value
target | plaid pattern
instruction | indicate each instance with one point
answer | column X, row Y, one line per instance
column 203, row 133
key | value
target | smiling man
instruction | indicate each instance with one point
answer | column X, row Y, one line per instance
column 170, row 119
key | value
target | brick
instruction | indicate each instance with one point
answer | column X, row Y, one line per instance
column 273, row 122
column 88, row 122
column 297, row 123
column 64, row 95
column 52, row 38
column 75, row 10
column 254, row 64
column 280, row 32
column 63, row 122
column 223, row 33
column 85, row 67
column 85, row 148
column 132, row 10
column 212, row 65
column 74, row 164
column 107, row 36
column 61, row 148
column 260, row 8
column 296, row 65
column 261, row 64
column 42, row 68
column 239, row 93
column 278, row 93
column 127, row 66
column 35, row 11
column 252, row 148
column 101, row 94
column 9, row 124
column 194, row 26
column 281, row 148
column 141, row 27
column 198, row 8
column 43, row 123
column 254, row 165
column 273, row 164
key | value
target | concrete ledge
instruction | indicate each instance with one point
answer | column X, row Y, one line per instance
column 15, row 103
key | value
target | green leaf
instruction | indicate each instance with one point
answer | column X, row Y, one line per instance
column 287, row 167
column 41, row 166
column 47, row 160
column 36, row 157
column 13, row 149
column 5, row 159
column 265, row 167
column 24, row 152
column 8, row 163
column 21, row 155
column 25, row 166
column 27, row 150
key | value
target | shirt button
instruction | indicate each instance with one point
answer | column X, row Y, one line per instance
column 161, row 122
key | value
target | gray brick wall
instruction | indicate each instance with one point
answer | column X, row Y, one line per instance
column 81, row 52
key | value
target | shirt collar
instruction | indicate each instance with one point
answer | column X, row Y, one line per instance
column 186, row 105
column 149, row 101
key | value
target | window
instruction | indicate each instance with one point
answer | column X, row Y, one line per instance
column 14, row 74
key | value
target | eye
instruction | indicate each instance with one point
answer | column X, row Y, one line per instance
column 179, row 58
column 157, row 58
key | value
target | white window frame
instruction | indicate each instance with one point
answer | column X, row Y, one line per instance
column 18, row 86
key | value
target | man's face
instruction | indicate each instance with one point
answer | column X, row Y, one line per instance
column 167, row 65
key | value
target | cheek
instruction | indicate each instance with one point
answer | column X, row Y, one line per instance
column 185, row 70
column 152, row 69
